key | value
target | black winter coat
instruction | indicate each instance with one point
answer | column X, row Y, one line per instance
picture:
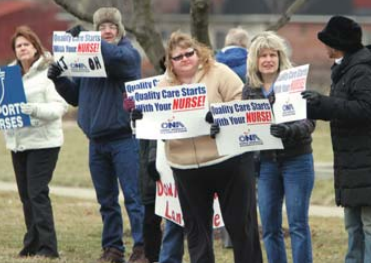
column 147, row 183
column 348, row 108
column 300, row 141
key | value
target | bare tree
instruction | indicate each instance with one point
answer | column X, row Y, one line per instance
column 146, row 33
column 142, row 25
column 139, row 21
column 200, row 20
column 286, row 16
column 277, row 7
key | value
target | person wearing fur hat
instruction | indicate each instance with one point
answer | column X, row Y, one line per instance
column 348, row 109
column 113, row 152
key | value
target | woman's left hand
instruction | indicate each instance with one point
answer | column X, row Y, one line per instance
column 29, row 109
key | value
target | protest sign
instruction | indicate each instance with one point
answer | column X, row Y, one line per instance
column 244, row 126
column 79, row 56
column 169, row 112
column 289, row 105
column 167, row 202
column 12, row 95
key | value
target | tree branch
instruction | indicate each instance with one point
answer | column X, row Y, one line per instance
column 146, row 34
column 82, row 15
column 285, row 18
column 66, row 5
column 200, row 20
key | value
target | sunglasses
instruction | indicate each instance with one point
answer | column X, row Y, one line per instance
column 181, row 56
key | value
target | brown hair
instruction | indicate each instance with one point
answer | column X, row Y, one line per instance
column 182, row 40
column 27, row 33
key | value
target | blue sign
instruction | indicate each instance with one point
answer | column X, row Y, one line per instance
column 12, row 95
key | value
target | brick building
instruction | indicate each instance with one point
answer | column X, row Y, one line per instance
column 42, row 17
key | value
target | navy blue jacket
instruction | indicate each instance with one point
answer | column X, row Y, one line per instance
column 101, row 115
column 235, row 58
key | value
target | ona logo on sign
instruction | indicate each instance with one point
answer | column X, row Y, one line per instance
column 249, row 139
column 172, row 126
column 2, row 86
column 78, row 67
column 288, row 109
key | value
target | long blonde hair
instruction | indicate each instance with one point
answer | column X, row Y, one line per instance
column 265, row 40
column 182, row 40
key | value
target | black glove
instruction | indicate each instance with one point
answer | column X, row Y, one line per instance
column 152, row 171
column 209, row 117
column 214, row 130
column 280, row 130
column 312, row 97
column 54, row 71
column 75, row 31
column 136, row 114
column 271, row 98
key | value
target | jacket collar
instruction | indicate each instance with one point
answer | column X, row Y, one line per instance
column 362, row 56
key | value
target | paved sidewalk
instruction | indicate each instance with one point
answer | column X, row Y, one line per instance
column 88, row 193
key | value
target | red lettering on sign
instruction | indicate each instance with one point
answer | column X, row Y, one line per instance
column 297, row 85
column 189, row 103
column 172, row 215
column 258, row 117
column 88, row 48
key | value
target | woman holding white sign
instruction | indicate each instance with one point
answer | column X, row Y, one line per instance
column 199, row 170
column 34, row 149
column 286, row 173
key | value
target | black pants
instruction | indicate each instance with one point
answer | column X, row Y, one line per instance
column 234, row 182
column 152, row 233
column 33, row 170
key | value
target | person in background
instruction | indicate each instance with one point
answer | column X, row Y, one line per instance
column 284, row 174
column 148, row 175
column 34, row 149
column 113, row 152
column 234, row 54
column 199, row 171
column 348, row 108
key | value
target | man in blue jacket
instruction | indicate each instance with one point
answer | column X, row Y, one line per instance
column 234, row 54
column 113, row 152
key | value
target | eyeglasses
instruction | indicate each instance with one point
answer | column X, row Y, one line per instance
column 110, row 27
column 186, row 54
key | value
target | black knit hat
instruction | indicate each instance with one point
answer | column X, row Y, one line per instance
column 342, row 33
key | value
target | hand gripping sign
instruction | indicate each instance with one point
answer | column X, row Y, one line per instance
column 79, row 56
column 12, row 95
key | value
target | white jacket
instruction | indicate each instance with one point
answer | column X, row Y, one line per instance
column 46, row 124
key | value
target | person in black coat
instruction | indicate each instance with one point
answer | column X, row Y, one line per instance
column 348, row 108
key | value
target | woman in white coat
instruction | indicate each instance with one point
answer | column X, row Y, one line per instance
column 35, row 149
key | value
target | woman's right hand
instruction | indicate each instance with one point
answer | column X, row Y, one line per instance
column 136, row 114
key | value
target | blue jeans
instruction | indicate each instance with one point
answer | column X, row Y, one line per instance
column 293, row 179
column 112, row 163
column 172, row 243
column 358, row 225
